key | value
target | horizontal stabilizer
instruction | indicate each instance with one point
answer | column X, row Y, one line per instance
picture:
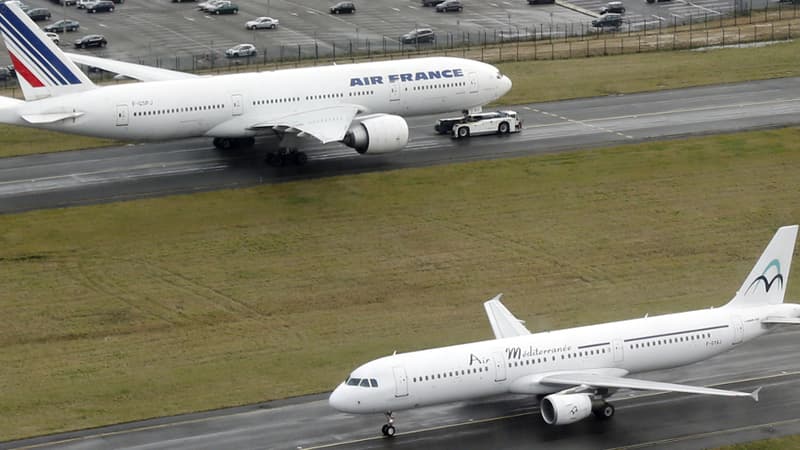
column 504, row 324
column 50, row 118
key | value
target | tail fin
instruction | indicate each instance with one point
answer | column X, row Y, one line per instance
column 766, row 284
column 43, row 69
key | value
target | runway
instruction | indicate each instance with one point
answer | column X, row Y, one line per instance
column 145, row 170
column 643, row 420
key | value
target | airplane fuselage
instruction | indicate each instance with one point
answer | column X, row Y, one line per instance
column 228, row 105
column 511, row 365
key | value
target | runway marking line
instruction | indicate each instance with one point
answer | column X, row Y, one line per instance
column 422, row 430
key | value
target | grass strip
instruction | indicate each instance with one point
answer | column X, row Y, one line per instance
column 123, row 311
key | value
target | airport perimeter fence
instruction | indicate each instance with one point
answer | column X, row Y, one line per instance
column 537, row 42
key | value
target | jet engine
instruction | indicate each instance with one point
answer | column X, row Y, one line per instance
column 563, row 409
column 379, row 134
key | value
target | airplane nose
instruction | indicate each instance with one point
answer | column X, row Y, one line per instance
column 337, row 400
column 505, row 85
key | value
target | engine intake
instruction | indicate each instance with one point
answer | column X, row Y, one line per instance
column 563, row 409
column 384, row 133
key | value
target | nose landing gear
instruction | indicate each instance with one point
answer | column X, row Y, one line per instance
column 388, row 429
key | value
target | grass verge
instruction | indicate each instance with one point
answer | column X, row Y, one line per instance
column 117, row 312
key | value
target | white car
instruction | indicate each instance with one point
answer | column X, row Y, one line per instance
column 498, row 122
column 261, row 22
column 82, row 3
column 53, row 37
column 241, row 50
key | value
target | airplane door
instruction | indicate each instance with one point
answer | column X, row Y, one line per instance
column 238, row 105
column 400, row 382
column 738, row 330
column 122, row 115
column 473, row 82
column 499, row 367
column 394, row 92
column 618, row 356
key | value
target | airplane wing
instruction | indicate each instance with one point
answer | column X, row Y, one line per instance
column 325, row 124
column 504, row 324
column 598, row 380
column 136, row 71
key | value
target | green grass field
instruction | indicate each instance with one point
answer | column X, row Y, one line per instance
column 152, row 307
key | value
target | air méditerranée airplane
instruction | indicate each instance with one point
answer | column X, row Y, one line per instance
column 359, row 105
column 574, row 371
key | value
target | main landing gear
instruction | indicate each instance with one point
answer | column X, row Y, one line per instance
column 604, row 412
column 285, row 157
column 231, row 143
column 388, row 429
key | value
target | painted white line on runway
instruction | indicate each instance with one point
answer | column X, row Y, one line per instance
column 190, row 19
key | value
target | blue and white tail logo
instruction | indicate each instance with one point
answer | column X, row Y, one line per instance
column 766, row 283
column 43, row 69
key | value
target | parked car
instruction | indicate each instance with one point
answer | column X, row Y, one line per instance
column 91, row 40
column 449, row 5
column 82, row 3
column 261, row 22
column 431, row 2
column 610, row 20
column 37, row 14
column 211, row 4
column 54, row 37
column 225, row 8
column 118, row 1
column 241, row 50
column 498, row 122
column 24, row 7
column 63, row 25
column 418, row 36
column 613, row 7
column 343, row 7
column 66, row 2
column 100, row 6
column 541, row 2
column 5, row 74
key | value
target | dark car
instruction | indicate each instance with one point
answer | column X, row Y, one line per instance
column 100, row 6
column 91, row 40
column 431, row 2
column 419, row 35
column 613, row 7
column 541, row 2
column 5, row 74
column 225, row 8
column 38, row 14
column 449, row 5
column 66, row 2
column 343, row 7
column 63, row 25
column 610, row 20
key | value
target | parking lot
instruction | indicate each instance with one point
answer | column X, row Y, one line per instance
column 160, row 32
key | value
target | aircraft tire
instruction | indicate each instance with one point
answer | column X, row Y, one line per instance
column 605, row 411
column 390, row 431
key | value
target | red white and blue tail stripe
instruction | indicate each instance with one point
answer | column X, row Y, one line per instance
column 43, row 69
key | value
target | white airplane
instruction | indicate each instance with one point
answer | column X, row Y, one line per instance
column 359, row 105
column 574, row 371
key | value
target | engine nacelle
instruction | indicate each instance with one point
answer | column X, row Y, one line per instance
column 563, row 409
column 384, row 133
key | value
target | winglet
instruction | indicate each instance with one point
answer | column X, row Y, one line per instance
column 754, row 394
column 504, row 324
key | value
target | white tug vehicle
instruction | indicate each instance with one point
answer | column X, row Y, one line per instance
column 495, row 122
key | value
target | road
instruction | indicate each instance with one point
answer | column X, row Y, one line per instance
column 643, row 420
column 137, row 171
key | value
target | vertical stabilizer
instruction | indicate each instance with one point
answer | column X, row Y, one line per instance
column 43, row 70
column 766, row 284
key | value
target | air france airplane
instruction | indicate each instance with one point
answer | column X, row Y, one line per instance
column 574, row 371
column 360, row 105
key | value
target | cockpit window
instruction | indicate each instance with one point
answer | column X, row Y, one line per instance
column 364, row 382
column 373, row 382
column 353, row 381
